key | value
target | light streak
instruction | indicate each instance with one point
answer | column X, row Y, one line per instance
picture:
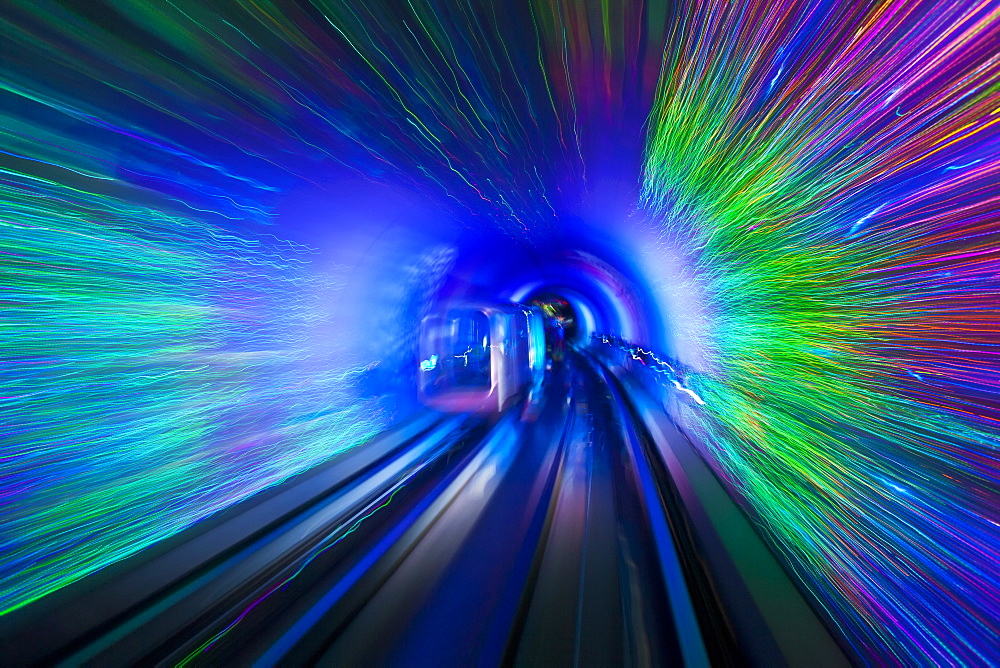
column 146, row 384
column 671, row 370
column 153, row 372
column 852, row 392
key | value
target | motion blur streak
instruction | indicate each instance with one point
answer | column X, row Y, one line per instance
column 821, row 168
column 155, row 370
column 222, row 221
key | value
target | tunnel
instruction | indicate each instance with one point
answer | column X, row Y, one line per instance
column 467, row 332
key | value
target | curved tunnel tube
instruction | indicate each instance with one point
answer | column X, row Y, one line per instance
column 222, row 224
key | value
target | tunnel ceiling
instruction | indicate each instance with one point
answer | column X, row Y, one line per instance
column 223, row 220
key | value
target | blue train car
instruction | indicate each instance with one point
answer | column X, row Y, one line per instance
column 480, row 358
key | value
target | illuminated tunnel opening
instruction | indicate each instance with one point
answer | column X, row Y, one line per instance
column 560, row 310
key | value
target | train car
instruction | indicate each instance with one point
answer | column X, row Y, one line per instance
column 480, row 358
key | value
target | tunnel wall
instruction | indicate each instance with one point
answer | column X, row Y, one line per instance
column 221, row 223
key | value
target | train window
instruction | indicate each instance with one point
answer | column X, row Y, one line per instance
column 471, row 349
column 456, row 352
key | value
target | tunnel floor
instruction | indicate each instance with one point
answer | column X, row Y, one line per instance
column 450, row 540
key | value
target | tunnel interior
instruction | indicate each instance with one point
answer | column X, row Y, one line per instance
column 766, row 233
